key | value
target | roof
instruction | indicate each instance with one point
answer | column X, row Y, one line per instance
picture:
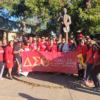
column 14, row 26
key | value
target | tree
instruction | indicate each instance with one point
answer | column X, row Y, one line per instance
column 85, row 14
column 85, row 19
column 22, row 9
column 28, row 21
column 47, row 14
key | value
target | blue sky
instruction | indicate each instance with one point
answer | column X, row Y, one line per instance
column 12, row 18
column 15, row 19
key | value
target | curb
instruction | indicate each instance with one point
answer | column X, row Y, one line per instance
column 48, row 86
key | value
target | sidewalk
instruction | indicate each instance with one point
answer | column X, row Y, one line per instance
column 16, row 90
column 54, row 80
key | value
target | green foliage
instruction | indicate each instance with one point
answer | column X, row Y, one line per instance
column 28, row 21
column 19, row 8
column 85, row 20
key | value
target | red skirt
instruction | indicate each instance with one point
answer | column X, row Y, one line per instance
column 10, row 64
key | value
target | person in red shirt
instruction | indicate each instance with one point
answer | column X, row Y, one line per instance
column 79, row 37
column 33, row 46
column 38, row 41
column 51, row 47
column 82, row 49
column 42, row 45
column 89, row 62
column 26, row 47
column 46, row 40
column 31, row 39
column 54, row 39
column 9, row 57
column 88, row 42
column 1, row 57
column 96, row 67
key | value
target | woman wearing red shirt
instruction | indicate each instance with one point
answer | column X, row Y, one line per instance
column 54, row 39
column 42, row 45
column 9, row 57
column 26, row 47
column 51, row 47
column 33, row 46
column 82, row 49
column 89, row 62
column 1, row 57
column 96, row 67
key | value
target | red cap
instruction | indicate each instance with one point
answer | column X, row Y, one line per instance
column 28, row 41
column 80, row 35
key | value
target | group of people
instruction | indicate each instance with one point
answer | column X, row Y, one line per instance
column 88, row 53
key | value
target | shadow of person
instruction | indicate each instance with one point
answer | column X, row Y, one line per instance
column 29, row 97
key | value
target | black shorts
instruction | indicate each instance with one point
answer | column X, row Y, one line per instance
column 19, row 60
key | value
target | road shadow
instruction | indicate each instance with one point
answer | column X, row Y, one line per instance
column 86, row 90
column 29, row 97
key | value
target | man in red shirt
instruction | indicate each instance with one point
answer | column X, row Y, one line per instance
column 33, row 46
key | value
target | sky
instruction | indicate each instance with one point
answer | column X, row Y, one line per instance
column 15, row 19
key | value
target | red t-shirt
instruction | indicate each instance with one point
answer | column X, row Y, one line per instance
column 26, row 48
column 54, row 42
column 89, row 53
column 47, row 43
column 95, row 56
column 82, row 50
column 68, row 43
column 1, row 54
column 38, row 44
column 53, row 49
column 79, row 49
column 42, row 46
column 33, row 47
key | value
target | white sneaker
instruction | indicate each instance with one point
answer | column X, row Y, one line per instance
column 85, row 82
column 1, row 78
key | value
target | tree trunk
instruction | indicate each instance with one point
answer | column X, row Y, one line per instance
column 23, row 27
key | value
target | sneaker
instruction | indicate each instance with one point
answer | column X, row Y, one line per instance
column 85, row 82
column 95, row 89
column 91, row 81
column 1, row 78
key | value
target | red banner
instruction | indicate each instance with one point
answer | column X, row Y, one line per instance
column 50, row 62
